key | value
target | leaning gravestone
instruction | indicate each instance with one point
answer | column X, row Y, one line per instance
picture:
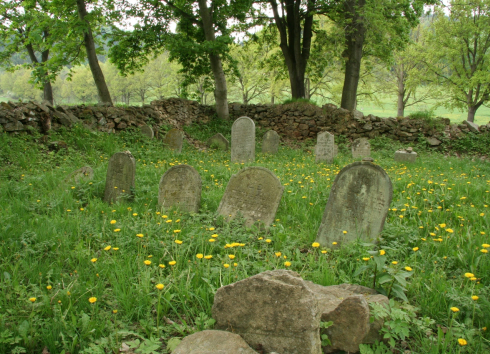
column 255, row 193
column 357, row 205
column 270, row 142
column 325, row 148
column 173, row 140
column 405, row 155
column 218, row 141
column 180, row 187
column 120, row 176
column 147, row 130
column 243, row 140
column 361, row 148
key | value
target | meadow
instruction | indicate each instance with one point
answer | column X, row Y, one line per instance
column 80, row 276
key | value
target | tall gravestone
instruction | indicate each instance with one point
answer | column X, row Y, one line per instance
column 147, row 131
column 361, row 148
column 325, row 148
column 357, row 205
column 243, row 140
column 120, row 177
column 180, row 186
column 270, row 142
column 255, row 193
column 219, row 142
column 173, row 140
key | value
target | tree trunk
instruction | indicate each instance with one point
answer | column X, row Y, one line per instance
column 354, row 39
column 401, row 91
column 471, row 113
column 295, row 43
column 220, row 90
column 103, row 91
column 307, row 88
column 47, row 88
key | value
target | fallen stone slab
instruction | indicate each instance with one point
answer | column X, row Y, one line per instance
column 213, row 342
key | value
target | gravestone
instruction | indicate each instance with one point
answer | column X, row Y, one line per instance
column 120, row 176
column 405, row 155
column 361, row 148
column 218, row 141
column 147, row 130
column 173, row 140
column 85, row 173
column 243, row 140
column 255, row 193
column 180, row 186
column 270, row 142
column 325, row 148
column 357, row 205
column 335, row 150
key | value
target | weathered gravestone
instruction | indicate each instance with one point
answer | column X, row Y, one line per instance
column 357, row 205
column 325, row 148
column 180, row 186
column 255, row 193
column 120, row 176
column 361, row 148
column 147, row 131
column 85, row 173
column 270, row 142
column 173, row 140
column 405, row 155
column 277, row 311
column 243, row 140
column 213, row 342
column 218, row 141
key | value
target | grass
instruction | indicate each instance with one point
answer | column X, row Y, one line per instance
column 61, row 245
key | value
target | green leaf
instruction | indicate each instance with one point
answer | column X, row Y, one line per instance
column 173, row 343
column 380, row 261
column 385, row 278
column 399, row 292
column 361, row 270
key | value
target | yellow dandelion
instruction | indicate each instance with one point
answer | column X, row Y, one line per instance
column 483, row 250
column 415, row 249
column 176, row 231
column 366, row 259
column 161, row 265
column 287, row 264
column 408, row 269
column 147, row 262
column 212, row 240
column 199, row 255
column 454, row 309
column 231, row 256
column 394, row 262
column 474, row 297
column 469, row 275
column 226, row 265
column 139, row 235
column 450, row 231
column 32, row 299
column 159, row 286
column 208, row 256
column 462, row 342
column 117, row 230
column 92, row 300
column 93, row 260
column 278, row 254
column 107, row 248
column 113, row 222
column 172, row 263
column 382, row 252
column 268, row 240
column 49, row 287
column 179, row 242
column 315, row 244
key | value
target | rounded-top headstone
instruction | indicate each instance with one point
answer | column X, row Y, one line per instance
column 180, row 187
column 325, row 148
column 255, row 193
column 361, row 148
column 218, row 141
column 147, row 131
column 243, row 140
column 357, row 205
column 173, row 140
column 120, row 177
column 270, row 142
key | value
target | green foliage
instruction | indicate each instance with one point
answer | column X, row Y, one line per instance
column 471, row 143
column 300, row 101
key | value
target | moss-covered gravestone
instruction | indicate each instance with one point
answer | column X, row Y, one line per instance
column 357, row 205
column 361, row 148
column 325, row 148
column 180, row 187
column 173, row 140
column 219, row 142
column 243, row 140
column 255, row 193
column 270, row 142
column 120, row 177
column 147, row 131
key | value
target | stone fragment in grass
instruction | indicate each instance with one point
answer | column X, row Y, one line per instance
column 325, row 148
column 120, row 177
column 357, row 205
column 173, row 140
column 405, row 155
column 243, row 140
column 255, row 193
column 219, row 142
column 213, row 342
column 85, row 173
column 146, row 130
column 361, row 148
column 180, row 187
column 270, row 142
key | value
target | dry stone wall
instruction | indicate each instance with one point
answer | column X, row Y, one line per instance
column 298, row 121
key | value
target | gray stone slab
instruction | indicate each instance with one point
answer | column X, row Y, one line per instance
column 405, row 156
column 255, row 193
column 120, row 177
column 219, row 142
column 213, row 342
column 243, row 140
column 85, row 173
column 361, row 148
column 147, row 131
column 473, row 127
column 180, row 187
column 358, row 204
column 270, row 142
column 325, row 148
column 173, row 140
